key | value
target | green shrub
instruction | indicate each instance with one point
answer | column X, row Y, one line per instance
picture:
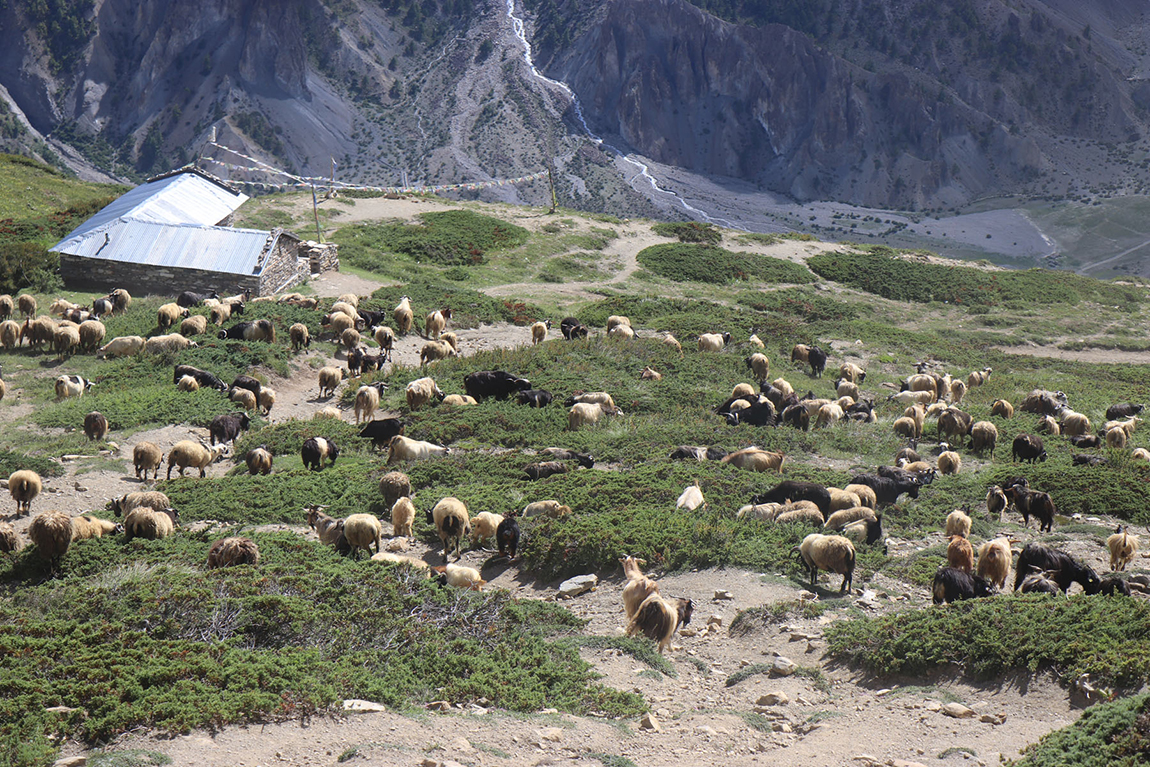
column 469, row 308
column 11, row 461
column 452, row 237
column 1115, row 734
column 879, row 270
column 689, row 231
column 1102, row 636
column 686, row 262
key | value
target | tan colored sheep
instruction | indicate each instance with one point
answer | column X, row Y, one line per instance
column 87, row 527
column 51, row 532
column 421, row 391
column 403, row 316
column 452, row 523
column 329, row 379
column 756, row 459
column 539, row 332
column 483, row 526
column 393, row 486
column 259, row 460
column 433, row 351
column 1123, row 547
column 149, row 523
column 459, row 400
column 361, row 531
column 949, row 462
column 245, row 398
column 994, row 560
column 960, row 554
column 1002, row 408
column 187, row 453
column 196, row 325
column 957, row 523
column 173, row 342
column 188, row 383
column 169, row 314
column 232, row 552
column 92, row 334
column 402, row 516
column 300, row 337
column 122, row 346
column 24, row 485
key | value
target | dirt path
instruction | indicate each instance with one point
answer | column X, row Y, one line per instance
column 1105, row 356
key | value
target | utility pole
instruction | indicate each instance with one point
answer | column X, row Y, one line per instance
column 315, row 210
column 551, row 182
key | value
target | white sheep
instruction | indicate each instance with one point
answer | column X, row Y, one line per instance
column 759, row 365
column 267, row 400
column 754, row 340
column 587, row 414
column 843, row 517
column 367, row 401
column 92, row 334
column 9, row 334
column 713, row 342
column 173, row 342
column 122, row 346
column 539, row 332
column 169, row 314
column 462, row 577
column 957, row 523
column 151, row 498
column 187, row 453
column 459, row 400
column 402, row 448
column 196, row 325
column 24, row 485
column 188, row 383
column 361, row 531
column 403, row 316
column 832, row 553
column 483, row 526
column 66, row 340
column 421, row 391
column 691, row 498
column 402, row 516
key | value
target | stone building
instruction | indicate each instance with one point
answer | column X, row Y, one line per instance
column 174, row 233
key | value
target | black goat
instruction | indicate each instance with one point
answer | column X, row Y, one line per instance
column 951, row 584
column 1063, row 568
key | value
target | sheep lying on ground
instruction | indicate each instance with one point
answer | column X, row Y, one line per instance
column 87, row 527
column 460, row 577
column 833, row 553
column 691, row 498
column 1123, row 547
column 151, row 498
column 51, row 532
column 658, row 619
column 149, row 523
column 234, row 551
column 548, row 508
column 403, row 448
column 756, row 459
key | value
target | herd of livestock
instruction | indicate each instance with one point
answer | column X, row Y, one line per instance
column 844, row 517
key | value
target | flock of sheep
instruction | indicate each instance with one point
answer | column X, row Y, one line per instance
column 845, row 517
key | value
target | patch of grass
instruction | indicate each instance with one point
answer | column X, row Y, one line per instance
column 746, row 672
column 451, row 237
column 642, row 651
column 756, row 721
column 756, row 619
column 879, row 270
column 699, row 664
column 469, row 308
column 611, row 760
column 1101, row 636
column 164, row 644
column 689, row 231
column 688, row 262
column 817, row 677
column 1113, row 734
column 11, row 461
column 132, row 757
column 956, row 750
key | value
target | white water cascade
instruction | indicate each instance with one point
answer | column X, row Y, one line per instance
column 644, row 171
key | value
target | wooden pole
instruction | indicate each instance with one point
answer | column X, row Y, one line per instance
column 315, row 210
column 551, row 182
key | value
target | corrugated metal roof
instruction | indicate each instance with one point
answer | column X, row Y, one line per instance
column 169, row 222
column 214, row 248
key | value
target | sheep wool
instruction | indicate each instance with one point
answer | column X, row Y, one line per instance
column 230, row 552
column 51, row 532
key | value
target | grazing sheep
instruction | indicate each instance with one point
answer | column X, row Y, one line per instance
column 196, row 325
column 621, row 331
column 421, row 391
column 451, row 523
column 865, row 531
column 658, row 619
column 617, row 320
column 187, row 453
column 759, row 365
column 39, row 331
column 587, row 414
column 906, row 426
column 7, row 306
column 1039, row 583
column 1140, row 454
column 957, row 391
column 545, row 469
column 978, row 378
column 1047, row 425
column 327, row 528
column 188, row 383
column 1002, row 408
column 393, row 486
column 954, row 424
column 1116, row 438
column 267, row 399
column 650, row 374
column 66, row 340
column 361, row 531
column 952, row 584
column 436, row 323
column 9, row 334
column 329, row 379
column 367, row 400
column 507, row 536
column 1130, row 425
column 983, row 437
column 95, row 426
column 960, row 554
column 957, row 523
column 151, row 498
column 1027, row 447
column 830, row 413
column 245, row 398
column 832, row 553
column 1059, row 566
column 865, row 493
column 756, row 459
column 800, row 512
column 1043, row 402
column 92, row 334
column 994, row 561
column 349, row 338
column 1123, row 547
column 848, row 389
column 764, row 512
column 848, row 371
column 949, row 462
column 300, row 337
column 10, row 542
column 173, row 342
column 435, row 350
column 843, row 517
column 459, row 400
column 51, row 532
column 349, row 298
column 26, row 304
column 122, row 346
column 691, row 498
column 841, row 499
column 402, row 516
column 403, row 316
column 673, row 342
column 24, row 485
column 151, row 524
column 996, row 502
column 713, row 342
column 254, row 330
column 539, row 332
column 402, row 448
column 743, row 391
column 316, row 451
column 232, row 552
column 483, row 526
column 169, row 314
column 259, row 460
column 337, row 322
column 1075, row 424
column 87, row 527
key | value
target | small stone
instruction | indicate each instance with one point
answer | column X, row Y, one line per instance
column 776, row 698
column 580, row 584
column 932, row 705
column 783, row 666
column 66, row 458
column 958, row 711
column 60, row 710
column 553, row 734
column 430, row 763
column 705, row 730
column 883, row 692
column 865, row 759
column 688, row 631
column 71, row 761
column 802, row 701
column 357, row 706
column 715, row 620
column 992, row 718
column 781, row 727
column 904, row 763
column 439, row 705
column 723, row 594
column 649, row 722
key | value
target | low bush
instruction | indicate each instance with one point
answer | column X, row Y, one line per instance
column 689, row 231
column 1115, row 734
column 452, row 237
column 1102, row 636
column 139, row 635
column 469, row 308
column 688, row 262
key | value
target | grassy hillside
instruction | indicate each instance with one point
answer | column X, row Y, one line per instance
column 31, row 190
column 291, row 654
